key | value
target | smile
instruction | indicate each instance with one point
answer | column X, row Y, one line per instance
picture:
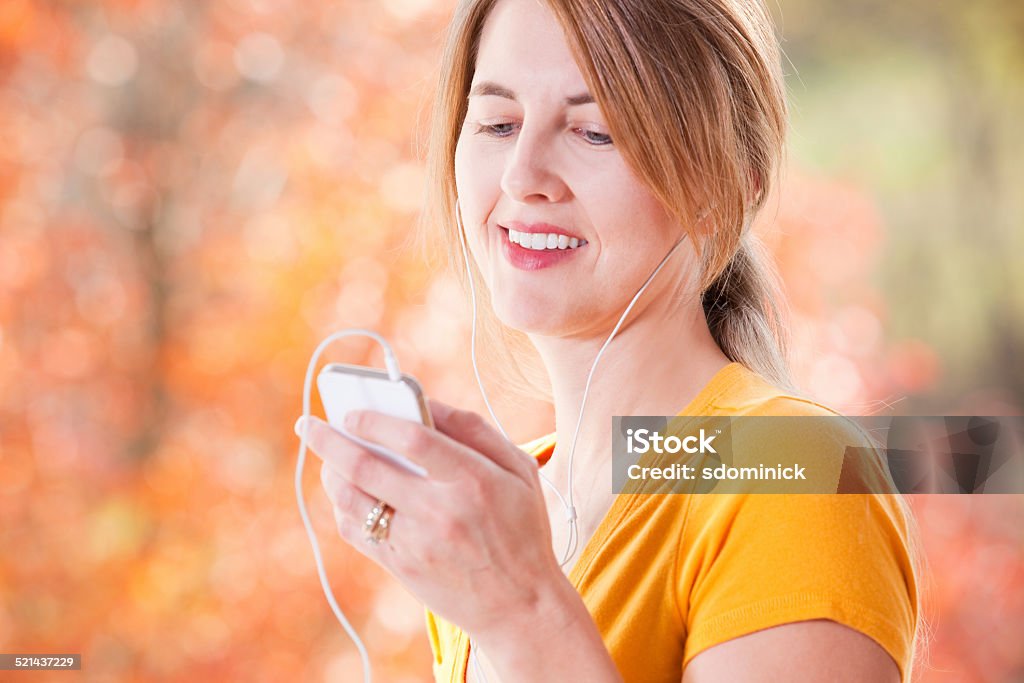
column 534, row 251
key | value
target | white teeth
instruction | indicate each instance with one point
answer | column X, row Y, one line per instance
column 541, row 241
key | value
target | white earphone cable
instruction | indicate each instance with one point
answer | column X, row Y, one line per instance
column 590, row 376
column 394, row 374
column 472, row 353
column 568, row 505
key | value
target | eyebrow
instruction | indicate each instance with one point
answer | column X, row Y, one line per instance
column 490, row 88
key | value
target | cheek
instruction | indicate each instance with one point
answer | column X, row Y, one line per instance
column 462, row 166
column 478, row 183
column 478, row 170
column 476, row 199
column 633, row 229
column 621, row 208
column 640, row 208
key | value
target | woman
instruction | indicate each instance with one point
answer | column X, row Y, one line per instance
column 576, row 143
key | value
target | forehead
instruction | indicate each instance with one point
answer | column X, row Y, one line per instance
column 522, row 47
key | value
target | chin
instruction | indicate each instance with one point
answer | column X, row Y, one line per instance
column 538, row 318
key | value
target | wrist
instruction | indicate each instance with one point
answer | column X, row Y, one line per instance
column 557, row 635
column 553, row 606
column 553, row 638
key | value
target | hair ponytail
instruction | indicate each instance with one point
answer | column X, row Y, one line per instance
column 743, row 313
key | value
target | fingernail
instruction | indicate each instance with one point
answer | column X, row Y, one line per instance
column 298, row 426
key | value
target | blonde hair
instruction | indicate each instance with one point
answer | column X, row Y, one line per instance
column 694, row 97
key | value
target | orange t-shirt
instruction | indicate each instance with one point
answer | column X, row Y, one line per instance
column 668, row 576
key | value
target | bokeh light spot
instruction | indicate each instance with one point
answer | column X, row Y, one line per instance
column 259, row 57
column 112, row 61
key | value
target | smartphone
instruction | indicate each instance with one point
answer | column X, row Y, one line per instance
column 352, row 387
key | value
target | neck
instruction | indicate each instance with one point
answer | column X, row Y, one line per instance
column 657, row 363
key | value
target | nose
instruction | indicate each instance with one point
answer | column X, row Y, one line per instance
column 530, row 170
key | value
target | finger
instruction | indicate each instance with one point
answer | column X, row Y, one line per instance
column 353, row 534
column 436, row 452
column 346, row 499
column 362, row 468
column 351, row 507
column 471, row 429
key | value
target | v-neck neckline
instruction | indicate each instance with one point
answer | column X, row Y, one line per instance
column 719, row 383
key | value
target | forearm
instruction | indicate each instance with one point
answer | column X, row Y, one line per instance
column 554, row 639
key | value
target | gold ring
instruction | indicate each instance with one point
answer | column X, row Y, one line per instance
column 378, row 522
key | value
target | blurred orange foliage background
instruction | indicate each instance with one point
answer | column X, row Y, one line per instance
column 192, row 195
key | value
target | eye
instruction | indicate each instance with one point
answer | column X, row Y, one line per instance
column 594, row 138
column 497, row 130
column 508, row 128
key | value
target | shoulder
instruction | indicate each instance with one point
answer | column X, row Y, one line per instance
column 776, row 421
column 752, row 394
column 760, row 560
column 757, row 560
column 847, row 491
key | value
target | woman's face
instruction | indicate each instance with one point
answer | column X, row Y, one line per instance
column 535, row 164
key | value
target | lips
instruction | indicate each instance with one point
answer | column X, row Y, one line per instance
column 523, row 258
